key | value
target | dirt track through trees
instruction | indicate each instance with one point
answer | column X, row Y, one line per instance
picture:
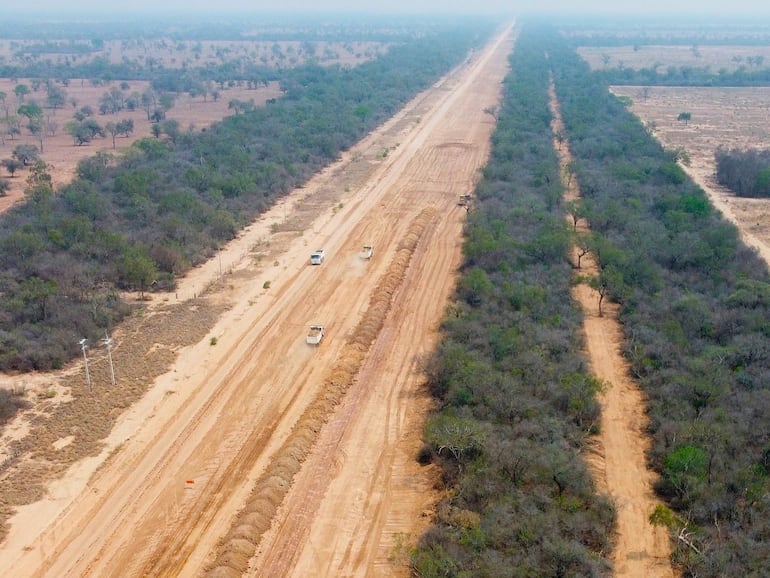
column 172, row 489
column 619, row 464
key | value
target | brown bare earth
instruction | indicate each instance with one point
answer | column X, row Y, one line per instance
column 59, row 150
column 618, row 463
column 661, row 56
column 728, row 117
column 256, row 453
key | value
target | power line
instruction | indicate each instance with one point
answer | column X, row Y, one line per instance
column 84, row 345
column 108, row 342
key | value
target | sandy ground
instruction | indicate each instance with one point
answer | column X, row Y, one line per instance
column 661, row 56
column 618, row 462
column 728, row 117
column 307, row 452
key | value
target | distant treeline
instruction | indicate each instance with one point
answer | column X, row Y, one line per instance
column 745, row 172
column 685, row 76
column 168, row 204
column 228, row 26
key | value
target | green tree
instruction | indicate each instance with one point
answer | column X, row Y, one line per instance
column 684, row 117
column 112, row 129
column 171, row 129
column 39, row 182
column 57, row 96
column 11, row 165
column 125, row 127
column 21, row 91
column 26, row 154
column 610, row 282
column 31, row 111
column 36, row 294
column 138, row 269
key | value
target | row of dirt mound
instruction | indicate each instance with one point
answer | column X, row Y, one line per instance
column 240, row 543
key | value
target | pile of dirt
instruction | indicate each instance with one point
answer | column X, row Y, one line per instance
column 240, row 543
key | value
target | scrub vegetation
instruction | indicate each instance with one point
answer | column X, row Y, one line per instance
column 135, row 221
column 694, row 309
column 518, row 405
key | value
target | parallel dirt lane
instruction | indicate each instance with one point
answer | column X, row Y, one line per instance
column 619, row 463
column 344, row 512
column 161, row 503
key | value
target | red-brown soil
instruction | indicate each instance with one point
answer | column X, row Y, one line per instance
column 712, row 57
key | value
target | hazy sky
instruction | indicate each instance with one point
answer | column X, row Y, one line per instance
column 693, row 7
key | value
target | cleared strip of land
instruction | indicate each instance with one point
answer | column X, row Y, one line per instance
column 619, row 465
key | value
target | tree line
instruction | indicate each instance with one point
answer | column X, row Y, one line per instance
column 517, row 403
column 745, row 172
column 686, row 76
column 694, row 303
column 142, row 218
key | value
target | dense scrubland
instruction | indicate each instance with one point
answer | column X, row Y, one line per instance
column 517, row 403
column 144, row 217
column 745, row 172
column 694, row 305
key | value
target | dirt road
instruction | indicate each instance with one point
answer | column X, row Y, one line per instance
column 318, row 442
column 619, row 464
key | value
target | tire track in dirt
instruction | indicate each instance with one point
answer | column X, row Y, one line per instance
column 619, row 464
column 377, row 490
column 240, row 543
column 285, row 547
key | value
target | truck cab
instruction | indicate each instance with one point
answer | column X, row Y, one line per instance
column 315, row 334
column 317, row 257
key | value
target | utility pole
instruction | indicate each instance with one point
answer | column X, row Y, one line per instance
column 84, row 345
column 108, row 342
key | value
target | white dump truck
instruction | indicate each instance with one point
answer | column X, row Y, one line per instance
column 367, row 251
column 315, row 334
column 317, row 257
